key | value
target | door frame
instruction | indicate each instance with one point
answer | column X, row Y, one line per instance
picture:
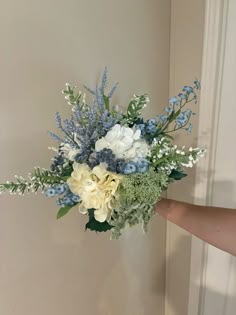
column 211, row 79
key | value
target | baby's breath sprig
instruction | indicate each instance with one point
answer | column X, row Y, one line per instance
column 166, row 156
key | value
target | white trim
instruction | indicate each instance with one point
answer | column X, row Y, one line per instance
column 212, row 71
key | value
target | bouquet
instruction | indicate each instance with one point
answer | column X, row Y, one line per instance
column 110, row 163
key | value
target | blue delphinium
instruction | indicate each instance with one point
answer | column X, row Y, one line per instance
column 182, row 96
column 174, row 101
column 189, row 128
column 197, row 84
column 183, row 118
column 187, row 89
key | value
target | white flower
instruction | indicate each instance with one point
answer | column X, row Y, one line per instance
column 97, row 189
column 124, row 142
column 69, row 152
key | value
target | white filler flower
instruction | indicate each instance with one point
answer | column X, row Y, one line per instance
column 124, row 142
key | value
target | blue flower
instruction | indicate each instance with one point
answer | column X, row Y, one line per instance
column 142, row 165
column 181, row 119
column 162, row 118
column 50, row 192
column 67, row 201
column 187, row 89
column 189, row 128
column 173, row 101
column 141, row 127
column 197, row 84
column 152, row 121
column 182, row 96
column 75, row 198
column 60, row 189
column 151, row 129
column 129, row 168
column 169, row 109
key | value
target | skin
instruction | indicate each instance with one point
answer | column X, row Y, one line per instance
column 216, row 226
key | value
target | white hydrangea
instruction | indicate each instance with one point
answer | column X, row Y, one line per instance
column 124, row 142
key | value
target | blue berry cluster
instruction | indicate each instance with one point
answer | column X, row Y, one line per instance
column 119, row 166
column 105, row 156
column 131, row 167
column 65, row 196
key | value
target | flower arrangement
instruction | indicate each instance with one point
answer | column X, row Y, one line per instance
column 111, row 164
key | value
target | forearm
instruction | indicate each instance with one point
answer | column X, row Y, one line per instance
column 217, row 226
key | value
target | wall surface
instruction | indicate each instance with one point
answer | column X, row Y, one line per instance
column 52, row 267
column 187, row 30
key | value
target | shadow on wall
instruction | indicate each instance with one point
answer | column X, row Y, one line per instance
column 213, row 295
column 227, row 300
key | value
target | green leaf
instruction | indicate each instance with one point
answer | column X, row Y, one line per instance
column 106, row 101
column 177, row 175
column 63, row 211
column 95, row 225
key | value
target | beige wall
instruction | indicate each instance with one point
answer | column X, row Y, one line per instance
column 52, row 267
column 187, row 30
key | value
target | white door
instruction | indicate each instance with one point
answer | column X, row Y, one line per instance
column 201, row 280
column 213, row 285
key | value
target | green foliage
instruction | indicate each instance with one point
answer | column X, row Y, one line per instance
column 39, row 179
column 129, row 215
column 177, row 174
column 95, row 225
column 106, row 102
column 63, row 211
column 138, row 195
column 135, row 106
column 73, row 99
